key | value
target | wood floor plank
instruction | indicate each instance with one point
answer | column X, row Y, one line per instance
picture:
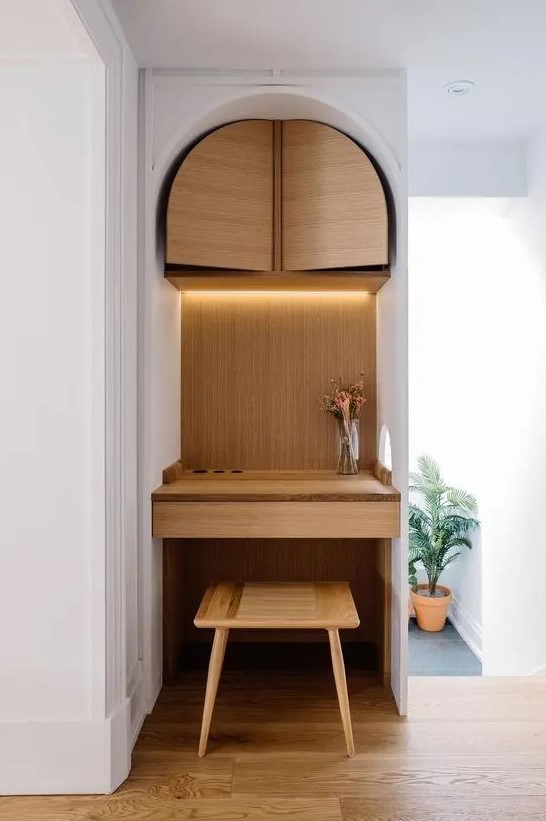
column 494, row 699
column 178, row 775
column 391, row 776
column 431, row 809
column 470, row 738
column 258, row 696
column 472, row 749
column 159, row 808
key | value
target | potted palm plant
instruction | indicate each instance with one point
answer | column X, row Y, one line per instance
column 441, row 519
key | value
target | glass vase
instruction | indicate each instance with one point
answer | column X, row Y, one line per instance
column 348, row 447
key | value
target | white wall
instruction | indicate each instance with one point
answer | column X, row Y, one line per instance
column 478, row 401
column 51, row 482
column 69, row 691
column 484, row 168
column 178, row 108
column 46, row 416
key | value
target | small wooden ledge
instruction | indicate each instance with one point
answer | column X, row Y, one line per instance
column 173, row 473
column 365, row 281
column 383, row 474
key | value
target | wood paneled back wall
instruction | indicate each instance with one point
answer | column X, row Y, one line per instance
column 253, row 368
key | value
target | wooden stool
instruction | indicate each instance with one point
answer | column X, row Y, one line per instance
column 322, row 605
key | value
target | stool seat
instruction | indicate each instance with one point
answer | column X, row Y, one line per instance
column 318, row 605
column 315, row 606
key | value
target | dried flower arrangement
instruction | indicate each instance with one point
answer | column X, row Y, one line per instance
column 345, row 403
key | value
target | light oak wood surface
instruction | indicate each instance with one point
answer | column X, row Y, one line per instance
column 341, row 689
column 275, row 486
column 334, row 211
column 220, row 209
column 253, row 369
column 280, row 520
column 213, row 678
column 382, row 473
column 315, row 606
column 287, row 606
column 173, row 472
column 493, row 744
column 352, row 281
column 383, row 578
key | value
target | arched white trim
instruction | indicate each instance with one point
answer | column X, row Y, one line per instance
column 291, row 103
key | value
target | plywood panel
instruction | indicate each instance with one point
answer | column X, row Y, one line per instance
column 334, row 212
column 220, row 210
column 173, row 634
column 253, row 368
column 384, row 576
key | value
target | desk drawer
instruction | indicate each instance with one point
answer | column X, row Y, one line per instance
column 255, row 520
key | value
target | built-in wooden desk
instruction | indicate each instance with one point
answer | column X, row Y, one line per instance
column 212, row 524
column 268, row 504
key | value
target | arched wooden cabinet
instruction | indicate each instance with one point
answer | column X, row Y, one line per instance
column 265, row 196
column 220, row 212
column 334, row 212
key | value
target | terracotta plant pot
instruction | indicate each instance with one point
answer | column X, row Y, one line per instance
column 431, row 613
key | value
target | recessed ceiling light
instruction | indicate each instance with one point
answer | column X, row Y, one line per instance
column 460, row 87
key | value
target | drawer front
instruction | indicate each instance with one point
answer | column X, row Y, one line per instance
column 250, row 520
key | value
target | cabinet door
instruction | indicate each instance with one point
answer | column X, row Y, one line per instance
column 334, row 212
column 220, row 210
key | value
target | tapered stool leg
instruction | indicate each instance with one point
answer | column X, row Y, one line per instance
column 215, row 668
column 341, row 687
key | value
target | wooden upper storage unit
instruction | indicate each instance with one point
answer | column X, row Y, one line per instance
column 220, row 212
column 334, row 213
column 263, row 196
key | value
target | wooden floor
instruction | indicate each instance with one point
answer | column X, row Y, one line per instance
column 473, row 749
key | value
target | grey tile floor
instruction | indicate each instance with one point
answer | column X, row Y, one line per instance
column 440, row 654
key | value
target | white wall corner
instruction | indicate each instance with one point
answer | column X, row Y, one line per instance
column 467, row 627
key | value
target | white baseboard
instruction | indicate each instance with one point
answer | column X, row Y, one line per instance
column 63, row 757
column 135, row 694
column 154, row 695
column 118, row 746
column 540, row 671
column 467, row 627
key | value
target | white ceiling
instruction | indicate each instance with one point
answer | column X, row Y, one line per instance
column 497, row 43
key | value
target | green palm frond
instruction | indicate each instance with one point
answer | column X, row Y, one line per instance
column 459, row 541
column 448, row 560
column 440, row 520
column 429, row 470
column 461, row 499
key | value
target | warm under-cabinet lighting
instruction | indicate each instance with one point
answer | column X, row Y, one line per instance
column 258, row 293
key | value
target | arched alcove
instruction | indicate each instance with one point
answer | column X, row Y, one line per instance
column 228, row 106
